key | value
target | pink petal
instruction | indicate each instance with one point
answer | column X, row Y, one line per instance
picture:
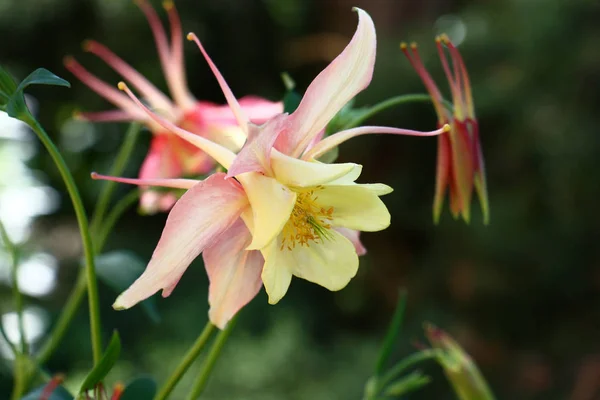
column 160, row 162
column 354, row 237
column 256, row 153
column 197, row 219
column 337, row 84
column 234, row 273
column 258, row 110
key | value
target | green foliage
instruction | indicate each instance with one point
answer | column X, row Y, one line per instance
column 409, row 383
column 119, row 269
column 392, row 333
column 12, row 99
column 108, row 360
column 139, row 389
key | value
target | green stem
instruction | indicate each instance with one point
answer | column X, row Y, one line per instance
column 79, row 290
column 17, row 297
column 394, row 101
column 211, row 359
column 94, row 306
column 20, row 371
column 113, row 216
column 407, row 362
column 117, row 169
column 188, row 359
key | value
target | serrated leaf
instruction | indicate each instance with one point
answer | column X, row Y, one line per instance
column 42, row 76
column 139, row 389
column 406, row 384
column 108, row 360
column 60, row 393
column 119, row 269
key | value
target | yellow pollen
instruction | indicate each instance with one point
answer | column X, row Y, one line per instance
column 309, row 222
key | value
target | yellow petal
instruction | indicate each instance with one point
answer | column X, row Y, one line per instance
column 271, row 203
column 356, row 206
column 294, row 172
column 276, row 274
column 330, row 263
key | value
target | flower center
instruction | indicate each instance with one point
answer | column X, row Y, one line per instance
column 309, row 222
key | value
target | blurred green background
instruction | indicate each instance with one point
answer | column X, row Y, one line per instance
column 522, row 295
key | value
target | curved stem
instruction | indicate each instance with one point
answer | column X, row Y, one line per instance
column 407, row 362
column 394, row 101
column 211, row 359
column 79, row 290
column 76, row 296
column 119, row 165
column 118, row 209
column 188, row 359
column 94, row 307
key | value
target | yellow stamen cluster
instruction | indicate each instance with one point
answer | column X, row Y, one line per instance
column 308, row 221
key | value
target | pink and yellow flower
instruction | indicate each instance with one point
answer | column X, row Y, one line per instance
column 169, row 156
column 460, row 165
column 278, row 212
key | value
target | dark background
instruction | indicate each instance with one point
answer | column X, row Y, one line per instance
column 522, row 294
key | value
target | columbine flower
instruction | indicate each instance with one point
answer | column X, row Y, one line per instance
column 461, row 371
column 460, row 159
column 169, row 156
column 284, row 214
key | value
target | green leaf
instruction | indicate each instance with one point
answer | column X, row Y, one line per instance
column 108, row 360
column 42, row 76
column 406, row 384
column 139, row 389
column 392, row 333
column 60, row 393
column 7, row 83
column 330, row 156
column 119, row 269
column 16, row 106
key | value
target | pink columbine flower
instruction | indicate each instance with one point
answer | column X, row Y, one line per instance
column 169, row 156
column 460, row 159
column 285, row 214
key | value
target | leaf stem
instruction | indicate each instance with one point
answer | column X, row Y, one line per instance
column 188, row 359
column 211, row 359
column 94, row 306
column 394, row 101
